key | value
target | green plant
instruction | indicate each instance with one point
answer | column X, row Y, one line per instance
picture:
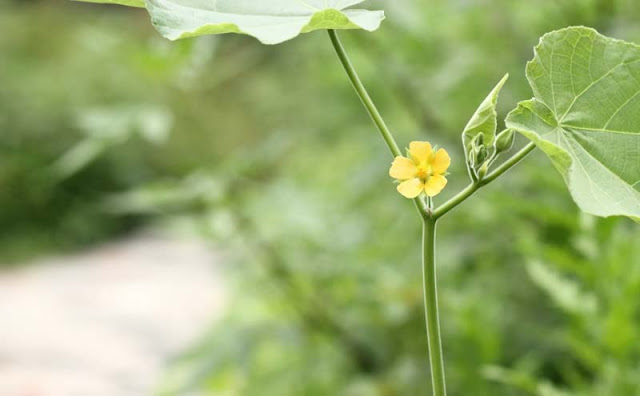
column 583, row 116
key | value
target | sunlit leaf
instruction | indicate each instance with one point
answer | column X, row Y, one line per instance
column 130, row 3
column 586, row 117
column 271, row 22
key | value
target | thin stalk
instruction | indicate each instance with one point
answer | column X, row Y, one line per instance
column 508, row 164
column 475, row 186
column 372, row 109
column 364, row 95
column 431, row 307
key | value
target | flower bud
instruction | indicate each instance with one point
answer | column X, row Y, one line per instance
column 481, row 154
column 482, row 172
column 478, row 140
column 472, row 157
column 504, row 141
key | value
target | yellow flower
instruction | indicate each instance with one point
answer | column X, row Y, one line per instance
column 424, row 171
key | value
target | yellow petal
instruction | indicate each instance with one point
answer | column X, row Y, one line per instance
column 402, row 168
column 411, row 188
column 434, row 185
column 420, row 151
column 440, row 162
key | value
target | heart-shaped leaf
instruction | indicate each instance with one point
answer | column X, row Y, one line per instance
column 270, row 21
column 586, row 117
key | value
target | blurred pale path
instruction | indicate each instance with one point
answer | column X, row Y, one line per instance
column 105, row 322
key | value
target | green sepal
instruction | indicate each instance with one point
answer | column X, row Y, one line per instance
column 484, row 121
column 505, row 140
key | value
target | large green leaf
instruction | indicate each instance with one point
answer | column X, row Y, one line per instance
column 270, row 21
column 586, row 117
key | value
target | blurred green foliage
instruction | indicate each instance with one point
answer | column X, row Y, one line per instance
column 267, row 152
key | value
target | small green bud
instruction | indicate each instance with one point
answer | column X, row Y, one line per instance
column 504, row 141
column 481, row 154
column 478, row 140
column 482, row 172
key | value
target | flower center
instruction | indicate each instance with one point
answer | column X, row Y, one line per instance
column 423, row 173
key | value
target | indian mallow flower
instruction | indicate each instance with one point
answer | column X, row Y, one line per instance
column 423, row 170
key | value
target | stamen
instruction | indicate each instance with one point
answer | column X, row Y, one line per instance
column 423, row 174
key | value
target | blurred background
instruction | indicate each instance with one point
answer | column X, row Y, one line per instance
column 214, row 216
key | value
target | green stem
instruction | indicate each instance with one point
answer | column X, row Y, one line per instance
column 508, row 164
column 429, row 218
column 475, row 186
column 431, row 307
column 364, row 95
column 372, row 110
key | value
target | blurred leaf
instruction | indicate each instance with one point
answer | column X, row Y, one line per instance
column 108, row 127
column 78, row 157
column 547, row 389
column 564, row 292
column 193, row 191
column 585, row 117
column 517, row 378
column 153, row 123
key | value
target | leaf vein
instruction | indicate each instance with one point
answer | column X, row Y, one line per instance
column 612, row 70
